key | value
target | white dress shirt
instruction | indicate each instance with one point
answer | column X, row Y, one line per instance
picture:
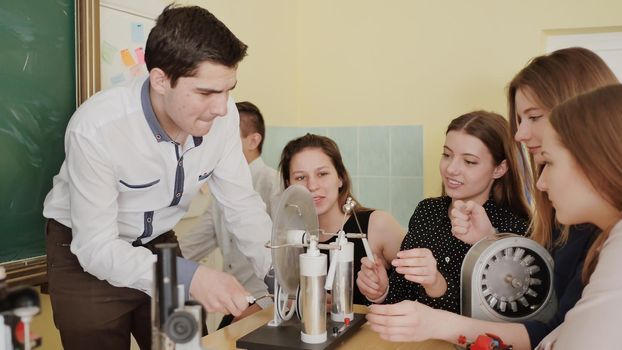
column 125, row 182
column 210, row 233
column 595, row 321
column 265, row 181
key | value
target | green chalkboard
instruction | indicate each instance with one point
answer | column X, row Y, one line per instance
column 37, row 98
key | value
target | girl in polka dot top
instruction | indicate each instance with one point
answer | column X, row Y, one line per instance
column 478, row 164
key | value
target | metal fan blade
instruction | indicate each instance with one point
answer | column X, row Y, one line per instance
column 533, row 269
column 535, row 282
column 518, row 253
column 492, row 302
column 528, row 260
column 509, row 252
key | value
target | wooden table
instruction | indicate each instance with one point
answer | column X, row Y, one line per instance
column 364, row 339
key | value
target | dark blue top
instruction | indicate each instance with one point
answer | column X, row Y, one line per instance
column 567, row 278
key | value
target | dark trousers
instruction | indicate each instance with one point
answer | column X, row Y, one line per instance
column 91, row 313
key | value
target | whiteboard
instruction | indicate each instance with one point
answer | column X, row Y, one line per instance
column 123, row 35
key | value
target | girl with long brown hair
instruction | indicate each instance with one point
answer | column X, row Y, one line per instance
column 478, row 165
column 544, row 83
column 315, row 162
column 582, row 176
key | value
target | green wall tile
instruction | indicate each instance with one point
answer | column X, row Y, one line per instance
column 385, row 163
column 346, row 139
column 406, row 193
column 374, row 151
column 406, row 150
column 276, row 139
column 373, row 192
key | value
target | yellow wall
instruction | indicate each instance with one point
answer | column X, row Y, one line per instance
column 267, row 76
column 363, row 62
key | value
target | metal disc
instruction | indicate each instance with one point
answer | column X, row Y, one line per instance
column 294, row 211
column 507, row 277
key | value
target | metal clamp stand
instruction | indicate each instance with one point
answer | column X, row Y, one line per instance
column 175, row 324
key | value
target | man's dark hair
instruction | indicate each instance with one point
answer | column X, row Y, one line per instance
column 185, row 37
column 251, row 121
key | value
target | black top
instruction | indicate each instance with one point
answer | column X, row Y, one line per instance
column 566, row 278
column 359, row 250
column 430, row 227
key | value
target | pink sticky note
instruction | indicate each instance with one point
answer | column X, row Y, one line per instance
column 140, row 55
column 126, row 58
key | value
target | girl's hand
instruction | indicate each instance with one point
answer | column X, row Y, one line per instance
column 469, row 222
column 419, row 265
column 372, row 279
column 405, row 321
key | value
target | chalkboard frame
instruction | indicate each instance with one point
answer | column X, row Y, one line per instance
column 33, row 271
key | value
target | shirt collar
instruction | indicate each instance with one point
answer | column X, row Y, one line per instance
column 159, row 133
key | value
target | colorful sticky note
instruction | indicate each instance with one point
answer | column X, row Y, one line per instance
column 108, row 51
column 117, row 79
column 126, row 58
column 138, row 33
column 140, row 55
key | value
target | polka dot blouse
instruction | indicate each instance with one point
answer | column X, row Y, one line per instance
column 430, row 227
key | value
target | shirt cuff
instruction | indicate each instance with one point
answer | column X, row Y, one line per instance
column 185, row 273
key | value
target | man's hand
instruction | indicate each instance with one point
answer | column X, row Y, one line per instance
column 469, row 222
column 218, row 291
column 372, row 279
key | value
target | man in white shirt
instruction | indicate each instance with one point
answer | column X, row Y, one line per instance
column 210, row 232
column 135, row 156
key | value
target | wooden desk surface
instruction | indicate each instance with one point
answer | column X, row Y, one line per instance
column 365, row 338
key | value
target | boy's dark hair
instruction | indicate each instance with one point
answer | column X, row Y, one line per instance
column 184, row 37
column 251, row 121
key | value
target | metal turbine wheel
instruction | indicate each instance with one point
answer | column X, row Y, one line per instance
column 295, row 211
column 508, row 277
